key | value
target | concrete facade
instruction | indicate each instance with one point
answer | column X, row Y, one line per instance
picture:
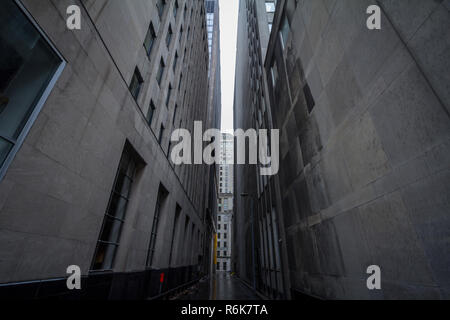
column 55, row 193
column 259, row 252
column 364, row 120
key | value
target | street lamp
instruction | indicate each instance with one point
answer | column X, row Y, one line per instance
column 246, row 195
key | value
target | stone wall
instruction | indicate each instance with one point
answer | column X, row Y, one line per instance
column 365, row 174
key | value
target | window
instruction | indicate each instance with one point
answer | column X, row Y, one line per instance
column 160, row 200
column 169, row 93
column 274, row 71
column 174, row 231
column 179, row 84
column 174, row 114
column 169, row 36
column 151, row 112
column 218, row 236
column 181, row 34
column 270, row 7
column 225, row 235
column 285, row 29
column 309, row 98
column 224, row 253
column 175, row 9
column 29, row 68
column 218, row 244
column 160, row 5
column 109, row 239
column 150, row 39
column 161, row 134
column 136, row 84
column 160, row 74
column 225, row 244
column 224, row 266
column 225, row 226
column 175, row 61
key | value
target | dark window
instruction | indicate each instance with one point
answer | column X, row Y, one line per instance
column 181, row 34
column 151, row 112
column 161, row 134
column 150, row 39
column 109, row 238
column 179, row 84
column 309, row 98
column 175, row 61
column 136, row 84
column 169, row 148
column 160, row 74
column 28, row 64
column 174, row 114
column 160, row 5
column 174, row 232
column 160, row 200
column 169, row 36
column 169, row 93
column 175, row 9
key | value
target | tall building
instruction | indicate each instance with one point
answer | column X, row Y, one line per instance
column 86, row 173
column 214, row 73
column 257, row 255
column 364, row 121
column 225, row 204
column 214, row 119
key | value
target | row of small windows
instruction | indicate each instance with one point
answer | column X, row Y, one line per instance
column 219, row 226
column 224, row 244
column 149, row 42
column 225, row 235
column 224, row 266
column 222, row 253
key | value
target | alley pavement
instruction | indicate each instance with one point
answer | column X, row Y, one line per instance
column 222, row 287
